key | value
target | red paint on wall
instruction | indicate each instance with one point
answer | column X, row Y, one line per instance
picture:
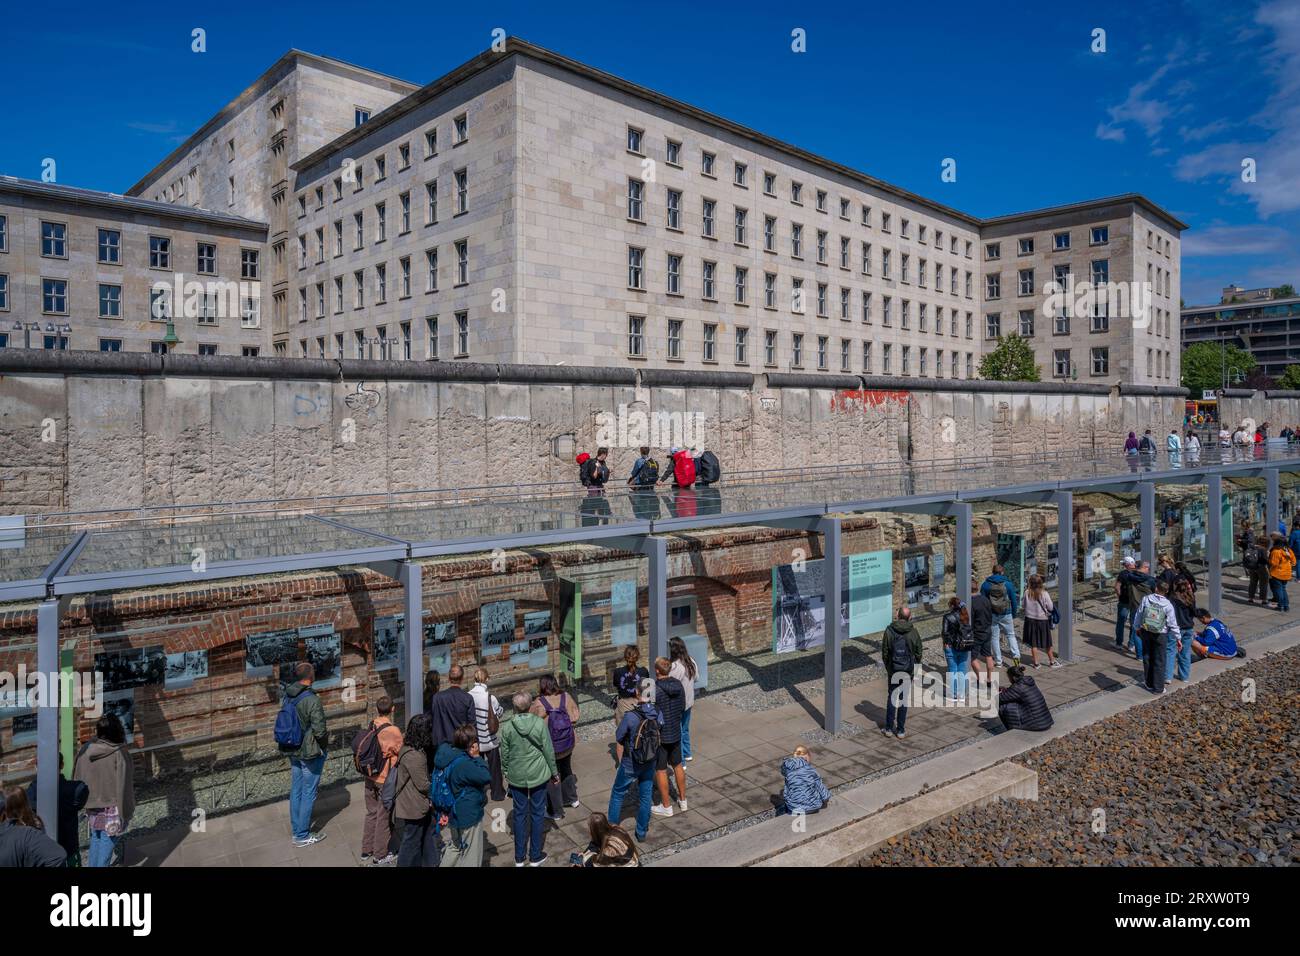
column 847, row 400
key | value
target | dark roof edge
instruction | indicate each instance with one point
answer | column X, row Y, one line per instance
column 1136, row 198
column 97, row 197
column 250, row 93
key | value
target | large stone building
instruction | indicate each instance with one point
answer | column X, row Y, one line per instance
column 526, row 208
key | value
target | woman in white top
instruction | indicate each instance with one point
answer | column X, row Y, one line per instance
column 1038, row 621
column 486, row 703
column 683, row 668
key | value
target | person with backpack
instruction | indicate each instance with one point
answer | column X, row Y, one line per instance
column 407, row 793
column 997, row 587
column 451, row 707
column 1215, row 641
column 105, row 765
column 981, row 629
column 683, row 470
column 1124, row 605
column 528, row 759
column 645, row 471
column 594, row 473
column 459, row 789
column 301, row 734
column 638, row 739
column 1281, row 568
column 708, row 470
column 1157, row 623
column 670, row 698
column 900, row 649
column 487, row 720
column 1147, row 449
column 374, row 752
column 958, row 642
column 684, row 669
column 560, row 711
column 626, row 680
column 1021, row 705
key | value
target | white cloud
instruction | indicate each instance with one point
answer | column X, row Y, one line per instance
column 1113, row 133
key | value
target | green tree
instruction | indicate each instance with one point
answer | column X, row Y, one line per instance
column 1011, row 361
column 1204, row 364
column 1286, row 291
column 1290, row 379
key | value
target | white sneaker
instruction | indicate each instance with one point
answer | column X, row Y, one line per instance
column 311, row 838
column 388, row 860
column 661, row 811
column 688, row 759
column 538, row 863
column 681, row 805
column 518, row 865
column 576, row 803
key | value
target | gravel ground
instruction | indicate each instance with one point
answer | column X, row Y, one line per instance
column 1197, row 778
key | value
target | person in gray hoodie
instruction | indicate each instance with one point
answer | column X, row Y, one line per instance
column 900, row 648
column 104, row 765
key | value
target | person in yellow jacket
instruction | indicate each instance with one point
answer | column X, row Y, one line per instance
column 1281, row 565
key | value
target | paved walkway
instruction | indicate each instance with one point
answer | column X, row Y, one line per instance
column 734, row 777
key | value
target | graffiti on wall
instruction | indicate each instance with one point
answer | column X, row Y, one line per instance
column 860, row 399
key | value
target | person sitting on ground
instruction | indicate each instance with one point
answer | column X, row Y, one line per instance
column 1215, row 641
column 804, row 791
column 610, row 845
column 1021, row 706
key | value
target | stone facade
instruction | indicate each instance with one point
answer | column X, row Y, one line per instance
column 90, row 261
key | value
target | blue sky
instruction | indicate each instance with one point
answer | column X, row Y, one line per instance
column 1012, row 91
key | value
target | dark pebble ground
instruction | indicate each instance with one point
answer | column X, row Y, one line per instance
column 1198, row 778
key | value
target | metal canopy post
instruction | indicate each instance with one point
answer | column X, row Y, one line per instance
column 830, row 529
column 412, row 578
column 965, row 569
column 1147, row 521
column 47, row 717
column 1214, row 542
column 1065, row 573
column 1270, row 500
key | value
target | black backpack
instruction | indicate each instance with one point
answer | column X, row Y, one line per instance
column 367, row 755
column 707, row 468
column 649, row 474
column 901, row 661
column 645, row 742
column 1252, row 558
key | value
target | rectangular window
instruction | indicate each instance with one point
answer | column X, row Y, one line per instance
column 887, row 303
column 462, row 334
column 431, row 337
column 821, row 246
column 634, row 138
column 769, row 233
column 742, row 220
column 706, row 163
column 844, row 252
column 635, row 270
column 320, row 300
column 769, row 347
column 1100, row 235
column 923, row 369
column 636, row 336
column 160, row 252
column 742, row 171
column 248, row 263
column 431, row 143
column 403, row 162
column 674, row 209
column 381, row 226
column 1025, row 247
column 992, row 325
column 1061, row 363
column 404, row 201
column 359, row 289
column 110, row 301
column 462, row 262
column 866, row 308
column 1026, row 323
column 709, row 280
column 1100, row 271
column 460, row 129
column 993, row 286
column 844, row 303
column 1061, row 240
column 404, row 266
column 822, row 342
column 796, row 350
column 706, row 218
column 955, row 368
column 886, row 357
column 381, row 283
column 381, row 169
column 866, row 358
column 796, row 193
column 207, row 259
column 907, row 360
column 635, row 191
column 1101, row 361
column 674, row 338
column 710, row 342
column 54, row 240
column 4, row 233
column 742, row 344
column 742, row 282
column 358, row 229
column 846, row 355
column 769, row 290
column 821, row 300
column 769, row 183
column 821, row 200
column 115, row 345
column 431, row 202
column 4, row 292
column 338, row 294
column 796, row 241
column 1026, row 281
column 673, row 153
column 431, row 269
column 360, row 115
column 110, row 246
column 54, row 296
column 885, row 269
column 674, row 275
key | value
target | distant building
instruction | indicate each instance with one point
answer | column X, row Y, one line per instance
column 1250, row 319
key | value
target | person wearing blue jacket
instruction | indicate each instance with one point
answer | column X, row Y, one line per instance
column 1294, row 542
column 468, row 778
column 804, row 791
column 997, row 587
column 629, row 770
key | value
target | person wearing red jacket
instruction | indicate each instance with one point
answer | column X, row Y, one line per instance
column 683, row 472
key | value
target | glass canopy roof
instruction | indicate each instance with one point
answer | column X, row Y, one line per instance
column 61, row 559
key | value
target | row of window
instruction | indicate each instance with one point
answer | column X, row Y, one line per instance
column 108, row 249
column 1097, row 236
column 355, row 173
column 56, row 293
column 848, row 349
column 740, row 177
column 338, row 233
column 1061, row 276
column 1063, row 365
column 380, row 283
column 377, row 344
column 157, row 347
column 1025, row 327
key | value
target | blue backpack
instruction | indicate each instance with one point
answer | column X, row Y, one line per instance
column 440, row 792
column 288, row 727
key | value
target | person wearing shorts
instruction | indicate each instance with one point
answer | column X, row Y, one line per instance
column 670, row 698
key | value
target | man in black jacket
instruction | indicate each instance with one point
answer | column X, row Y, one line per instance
column 981, row 625
column 670, row 698
column 1021, row 706
column 451, row 707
